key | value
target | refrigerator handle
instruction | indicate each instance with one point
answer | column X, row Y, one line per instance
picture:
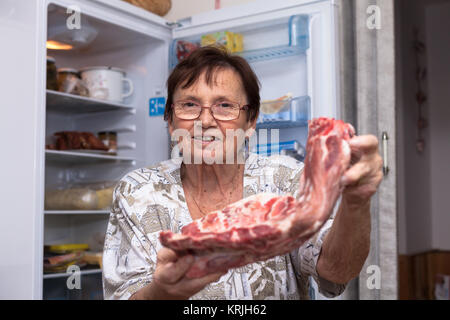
column 384, row 141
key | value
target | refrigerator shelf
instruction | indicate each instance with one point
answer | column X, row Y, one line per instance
column 70, row 103
column 65, row 275
column 70, row 157
column 83, row 212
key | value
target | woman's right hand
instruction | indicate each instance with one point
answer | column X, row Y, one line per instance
column 170, row 281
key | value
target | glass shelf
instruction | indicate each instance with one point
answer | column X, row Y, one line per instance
column 82, row 212
column 66, row 275
column 70, row 103
column 289, row 113
column 79, row 157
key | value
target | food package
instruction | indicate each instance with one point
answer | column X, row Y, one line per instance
column 233, row 42
column 274, row 106
column 60, row 263
column 97, row 196
column 71, row 199
column 93, row 258
column 185, row 48
column 74, row 140
column 238, row 42
column 57, row 258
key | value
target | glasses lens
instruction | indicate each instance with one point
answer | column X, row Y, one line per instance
column 225, row 111
column 187, row 110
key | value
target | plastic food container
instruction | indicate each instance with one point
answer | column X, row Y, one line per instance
column 52, row 81
column 69, row 82
column 80, row 196
column 109, row 139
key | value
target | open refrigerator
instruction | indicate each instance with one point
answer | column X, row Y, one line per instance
column 291, row 45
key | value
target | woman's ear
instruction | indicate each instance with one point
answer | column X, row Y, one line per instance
column 251, row 127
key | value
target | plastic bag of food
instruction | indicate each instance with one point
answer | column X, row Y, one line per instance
column 71, row 199
column 83, row 196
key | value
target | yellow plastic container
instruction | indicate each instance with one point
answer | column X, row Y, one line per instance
column 66, row 248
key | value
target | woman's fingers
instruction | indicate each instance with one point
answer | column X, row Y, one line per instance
column 172, row 272
column 198, row 284
column 364, row 143
column 166, row 255
column 353, row 175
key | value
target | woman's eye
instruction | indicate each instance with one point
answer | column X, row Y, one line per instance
column 189, row 104
column 225, row 105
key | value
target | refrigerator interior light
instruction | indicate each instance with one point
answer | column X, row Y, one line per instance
column 56, row 45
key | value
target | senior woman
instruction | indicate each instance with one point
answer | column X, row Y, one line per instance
column 211, row 94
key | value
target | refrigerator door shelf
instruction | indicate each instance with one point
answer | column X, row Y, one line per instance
column 291, row 148
column 290, row 38
column 289, row 113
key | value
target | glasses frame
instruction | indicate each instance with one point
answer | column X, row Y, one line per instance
column 209, row 106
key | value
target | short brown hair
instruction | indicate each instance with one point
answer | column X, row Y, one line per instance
column 209, row 59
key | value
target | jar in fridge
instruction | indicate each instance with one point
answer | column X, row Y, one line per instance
column 69, row 82
column 109, row 139
column 52, row 81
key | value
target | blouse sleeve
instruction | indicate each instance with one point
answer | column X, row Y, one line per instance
column 129, row 254
column 305, row 257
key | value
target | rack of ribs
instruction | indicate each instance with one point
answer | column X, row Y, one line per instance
column 266, row 225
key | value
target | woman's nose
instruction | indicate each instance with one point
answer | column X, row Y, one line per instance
column 207, row 118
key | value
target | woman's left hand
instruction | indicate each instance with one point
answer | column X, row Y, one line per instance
column 362, row 179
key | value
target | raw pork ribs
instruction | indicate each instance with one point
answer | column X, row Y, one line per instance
column 267, row 225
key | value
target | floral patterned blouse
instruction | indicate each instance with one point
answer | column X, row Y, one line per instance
column 149, row 200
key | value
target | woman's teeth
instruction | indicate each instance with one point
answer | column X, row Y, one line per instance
column 205, row 138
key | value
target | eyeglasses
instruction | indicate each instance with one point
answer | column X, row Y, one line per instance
column 223, row 110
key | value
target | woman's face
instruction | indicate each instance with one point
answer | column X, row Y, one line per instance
column 205, row 139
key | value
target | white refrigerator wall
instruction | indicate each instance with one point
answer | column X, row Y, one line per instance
column 22, row 114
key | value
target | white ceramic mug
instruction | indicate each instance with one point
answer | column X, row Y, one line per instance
column 106, row 83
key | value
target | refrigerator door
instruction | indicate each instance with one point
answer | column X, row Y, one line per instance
column 21, row 129
column 255, row 21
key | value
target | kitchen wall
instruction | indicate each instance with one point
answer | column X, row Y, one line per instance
column 423, row 179
column 182, row 8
